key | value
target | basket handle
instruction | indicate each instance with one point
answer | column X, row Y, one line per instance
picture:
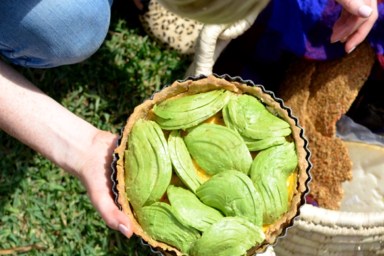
column 212, row 40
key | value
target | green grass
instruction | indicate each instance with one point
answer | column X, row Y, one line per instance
column 42, row 208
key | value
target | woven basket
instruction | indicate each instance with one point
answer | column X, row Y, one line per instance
column 320, row 231
column 357, row 230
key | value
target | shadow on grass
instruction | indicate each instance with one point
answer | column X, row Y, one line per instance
column 103, row 90
column 132, row 246
column 14, row 157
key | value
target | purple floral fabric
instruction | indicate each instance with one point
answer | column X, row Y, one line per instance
column 304, row 28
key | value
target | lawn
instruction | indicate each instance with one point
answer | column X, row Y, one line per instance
column 45, row 211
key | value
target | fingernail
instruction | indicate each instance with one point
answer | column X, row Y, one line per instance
column 351, row 50
column 365, row 11
column 335, row 40
column 125, row 231
column 343, row 40
column 337, row 36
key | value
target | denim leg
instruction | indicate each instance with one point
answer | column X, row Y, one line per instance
column 49, row 33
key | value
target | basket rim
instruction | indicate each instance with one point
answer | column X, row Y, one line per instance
column 340, row 219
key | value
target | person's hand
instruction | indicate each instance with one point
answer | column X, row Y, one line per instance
column 95, row 175
column 356, row 21
column 67, row 140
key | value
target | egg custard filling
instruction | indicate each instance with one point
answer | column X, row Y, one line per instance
column 209, row 170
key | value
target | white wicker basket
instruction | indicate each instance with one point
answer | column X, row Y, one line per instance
column 320, row 231
column 358, row 228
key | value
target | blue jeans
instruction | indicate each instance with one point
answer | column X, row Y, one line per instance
column 49, row 33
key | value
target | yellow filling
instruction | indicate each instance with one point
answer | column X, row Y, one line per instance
column 200, row 172
column 291, row 184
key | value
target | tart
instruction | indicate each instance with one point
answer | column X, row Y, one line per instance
column 211, row 163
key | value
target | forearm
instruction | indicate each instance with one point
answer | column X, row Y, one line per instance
column 38, row 121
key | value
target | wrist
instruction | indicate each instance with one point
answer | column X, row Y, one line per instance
column 101, row 149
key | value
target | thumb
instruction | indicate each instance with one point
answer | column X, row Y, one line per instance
column 113, row 216
column 359, row 8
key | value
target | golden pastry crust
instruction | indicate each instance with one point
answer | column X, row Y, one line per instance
column 202, row 85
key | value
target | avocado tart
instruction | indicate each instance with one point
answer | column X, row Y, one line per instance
column 198, row 139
